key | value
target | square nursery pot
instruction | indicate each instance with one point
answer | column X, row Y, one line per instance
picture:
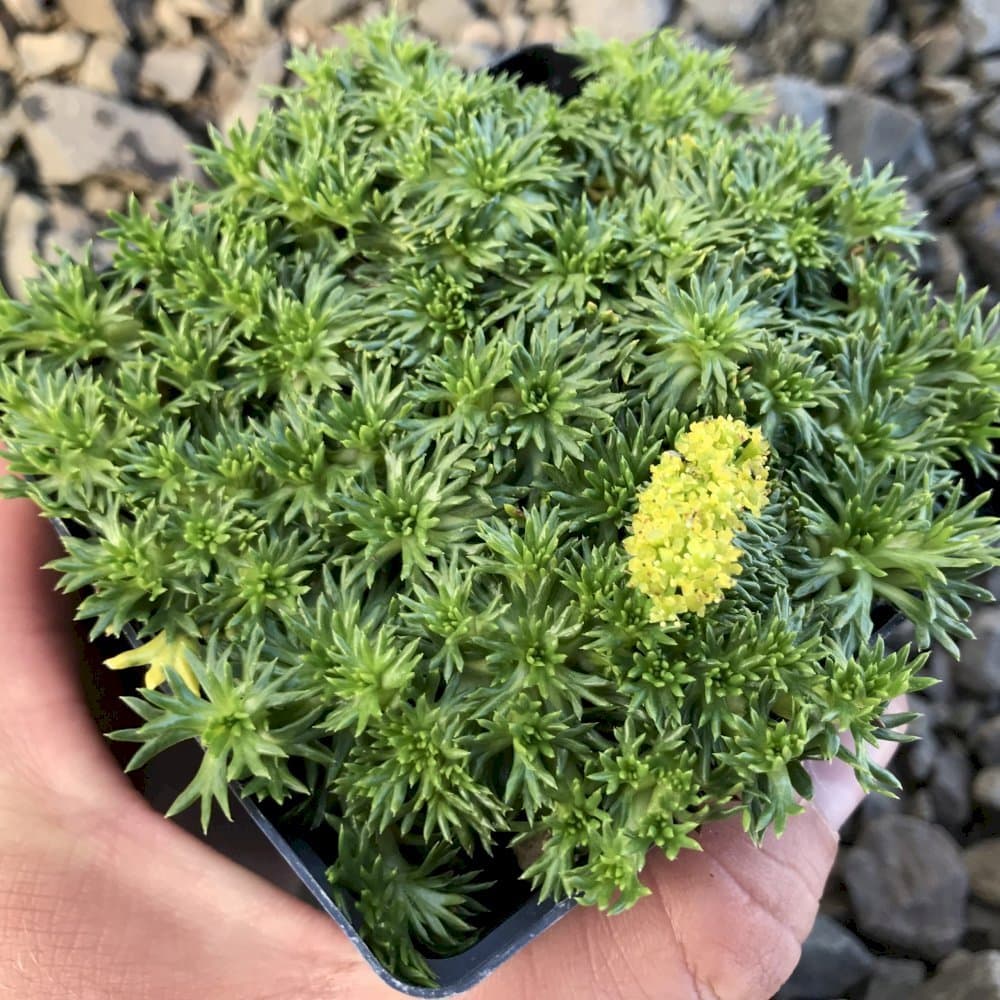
column 518, row 914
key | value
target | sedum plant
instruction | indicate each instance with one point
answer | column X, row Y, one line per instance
column 484, row 472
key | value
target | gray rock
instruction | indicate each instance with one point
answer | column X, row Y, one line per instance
column 879, row 59
column 985, row 742
column 987, row 151
column 625, row 19
column 833, row 960
column 984, row 927
column 174, row 71
column 50, row 53
column 97, row 17
column 312, row 14
column 940, row 49
column 944, row 183
column 986, row 788
column 986, row 73
column 989, row 117
column 920, row 755
column 849, row 20
column 212, row 12
column 828, row 58
column 980, row 21
column 21, row 231
column 895, row 978
column 908, row 885
column 546, row 29
column 883, row 132
column 978, row 668
column 482, row 31
column 729, row 20
column 443, row 19
column 950, row 100
column 982, row 862
column 8, row 187
column 267, row 70
column 74, row 135
column 950, row 267
column 109, row 67
column 797, row 97
column 69, row 230
column 31, row 14
column 965, row 976
column 950, row 787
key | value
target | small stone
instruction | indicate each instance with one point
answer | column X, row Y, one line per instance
column 951, row 267
column 484, row 32
column 75, row 135
column 546, row 30
column 97, row 17
column 985, row 742
column 175, row 26
column 895, row 978
column 541, row 6
column 311, row 15
column 965, row 976
column 980, row 22
column 514, row 28
column 986, row 788
column 267, row 70
column 882, row 132
column 940, row 49
column 833, row 960
column 984, row 927
column 949, row 100
column 728, row 20
column 919, row 755
column 848, row 20
column 212, row 12
column 986, row 73
column 828, row 58
column 174, row 72
column 32, row 14
column 100, row 198
column 989, row 117
column 48, row 54
column 21, row 230
column 471, row 57
column 70, row 229
column 501, row 8
column 943, row 184
column 624, row 19
column 797, row 97
column 109, row 68
column 982, row 862
column 443, row 19
column 8, row 57
column 900, row 896
column 8, row 187
column 978, row 668
column 949, row 787
column 879, row 59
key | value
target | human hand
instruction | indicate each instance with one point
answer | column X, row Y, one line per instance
column 103, row 899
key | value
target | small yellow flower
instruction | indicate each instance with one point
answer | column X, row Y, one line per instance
column 157, row 655
column 682, row 550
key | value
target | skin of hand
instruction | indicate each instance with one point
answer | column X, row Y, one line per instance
column 103, row 899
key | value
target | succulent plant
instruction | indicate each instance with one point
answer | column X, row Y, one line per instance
column 482, row 469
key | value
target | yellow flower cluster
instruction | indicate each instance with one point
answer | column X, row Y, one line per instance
column 156, row 655
column 681, row 551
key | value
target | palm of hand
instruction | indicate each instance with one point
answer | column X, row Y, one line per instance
column 102, row 898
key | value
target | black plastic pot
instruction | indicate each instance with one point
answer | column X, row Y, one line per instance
column 306, row 853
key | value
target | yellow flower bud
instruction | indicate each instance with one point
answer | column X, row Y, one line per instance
column 682, row 550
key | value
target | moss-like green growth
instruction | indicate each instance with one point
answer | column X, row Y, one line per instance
column 360, row 429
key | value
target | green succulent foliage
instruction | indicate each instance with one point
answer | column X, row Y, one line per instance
column 361, row 426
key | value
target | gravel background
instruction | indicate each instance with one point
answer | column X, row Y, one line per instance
column 99, row 98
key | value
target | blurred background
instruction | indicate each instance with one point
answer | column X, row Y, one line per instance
column 100, row 98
